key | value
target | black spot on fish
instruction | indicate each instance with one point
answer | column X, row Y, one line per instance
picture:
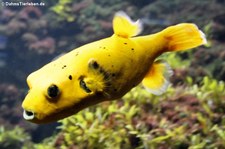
column 104, row 73
column 101, row 71
column 112, row 66
column 95, row 65
column 113, row 74
column 81, row 77
column 70, row 77
column 115, row 90
column 125, row 43
column 64, row 66
column 109, row 55
column 102, row 47
column 108, row 84
column 132, row 49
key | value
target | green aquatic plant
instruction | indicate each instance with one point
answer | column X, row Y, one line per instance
column 14, row 138
column 208, row 33
column 176, row 61
column 64, row 10
column 96, row 126
column 211, row 92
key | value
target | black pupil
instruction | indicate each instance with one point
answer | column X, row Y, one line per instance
column 53, row 91
column 83, row 85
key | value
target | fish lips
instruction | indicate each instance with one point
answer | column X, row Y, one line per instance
column 32, row 117
column 28, row 115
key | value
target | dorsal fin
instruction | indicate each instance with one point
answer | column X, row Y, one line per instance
column 123, row 26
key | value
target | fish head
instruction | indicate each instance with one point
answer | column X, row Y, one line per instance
column 55, row 93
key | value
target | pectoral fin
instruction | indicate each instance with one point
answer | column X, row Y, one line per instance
column 156, row 80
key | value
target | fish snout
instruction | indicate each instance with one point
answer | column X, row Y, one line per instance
column 28, row 115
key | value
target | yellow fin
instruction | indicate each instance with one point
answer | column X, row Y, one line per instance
column 123, row 26
column 156, row 80
column 183, row 36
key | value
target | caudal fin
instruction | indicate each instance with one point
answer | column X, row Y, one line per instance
column 123, row 26
column 183, row 36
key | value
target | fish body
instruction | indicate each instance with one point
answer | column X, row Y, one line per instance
column 105, row 69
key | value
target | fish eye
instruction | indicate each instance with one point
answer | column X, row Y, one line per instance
column 84, row 86
column 53, row 91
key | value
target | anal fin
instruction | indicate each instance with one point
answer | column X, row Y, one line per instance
column 156, row 80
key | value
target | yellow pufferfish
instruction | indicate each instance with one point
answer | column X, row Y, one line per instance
column 106, row 69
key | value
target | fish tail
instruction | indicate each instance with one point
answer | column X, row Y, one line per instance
column 182, row 37
column 175, row 38
column 124, row 27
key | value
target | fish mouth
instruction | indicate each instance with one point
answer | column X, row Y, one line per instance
column 28, row 115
